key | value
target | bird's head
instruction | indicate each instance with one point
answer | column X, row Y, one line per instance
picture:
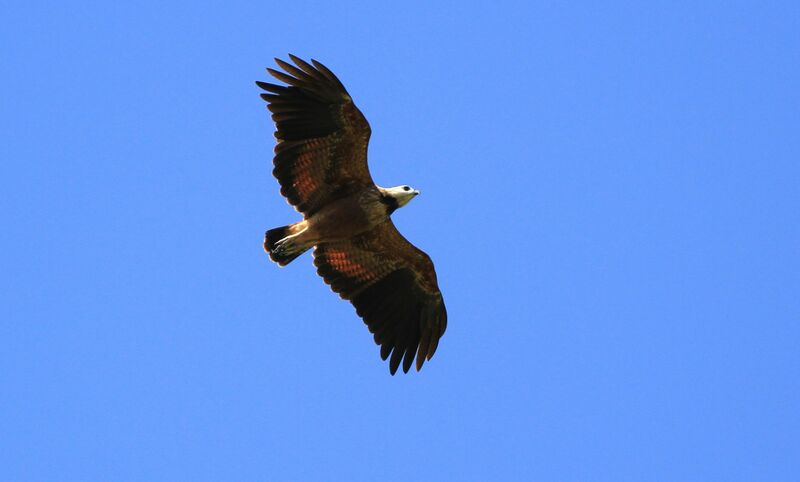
column 398, row 196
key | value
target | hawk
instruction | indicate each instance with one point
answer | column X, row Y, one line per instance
column 321, row 165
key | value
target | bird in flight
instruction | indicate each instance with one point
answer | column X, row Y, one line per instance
column 321, row 165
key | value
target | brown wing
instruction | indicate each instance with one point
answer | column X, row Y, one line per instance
column 393, row 287
column 322, row 136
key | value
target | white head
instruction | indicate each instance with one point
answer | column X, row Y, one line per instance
column 401, row 194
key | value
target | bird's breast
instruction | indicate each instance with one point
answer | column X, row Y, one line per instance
column 348, row 217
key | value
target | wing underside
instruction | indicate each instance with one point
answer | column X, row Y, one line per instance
column 393, row 287
column 322, row 136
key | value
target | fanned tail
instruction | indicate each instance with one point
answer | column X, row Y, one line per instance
column 282, row 244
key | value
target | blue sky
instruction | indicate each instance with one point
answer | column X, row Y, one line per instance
column 611, row 196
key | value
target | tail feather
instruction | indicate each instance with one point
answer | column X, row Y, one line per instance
column 281, row 246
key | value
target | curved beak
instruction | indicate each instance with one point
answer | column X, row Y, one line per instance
column 416, row 193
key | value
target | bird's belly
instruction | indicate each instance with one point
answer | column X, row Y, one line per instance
column 344, row 219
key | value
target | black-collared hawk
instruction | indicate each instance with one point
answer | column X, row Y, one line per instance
column 321, row 165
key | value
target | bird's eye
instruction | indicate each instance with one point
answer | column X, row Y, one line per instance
column 406, row 188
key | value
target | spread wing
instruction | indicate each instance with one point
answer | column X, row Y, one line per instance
column 392, row 285
column 321, row 153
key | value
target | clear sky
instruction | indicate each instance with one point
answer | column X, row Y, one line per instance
column 610, row 193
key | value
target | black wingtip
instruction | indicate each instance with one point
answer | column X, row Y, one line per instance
column 386, row 350
column 394, row 362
